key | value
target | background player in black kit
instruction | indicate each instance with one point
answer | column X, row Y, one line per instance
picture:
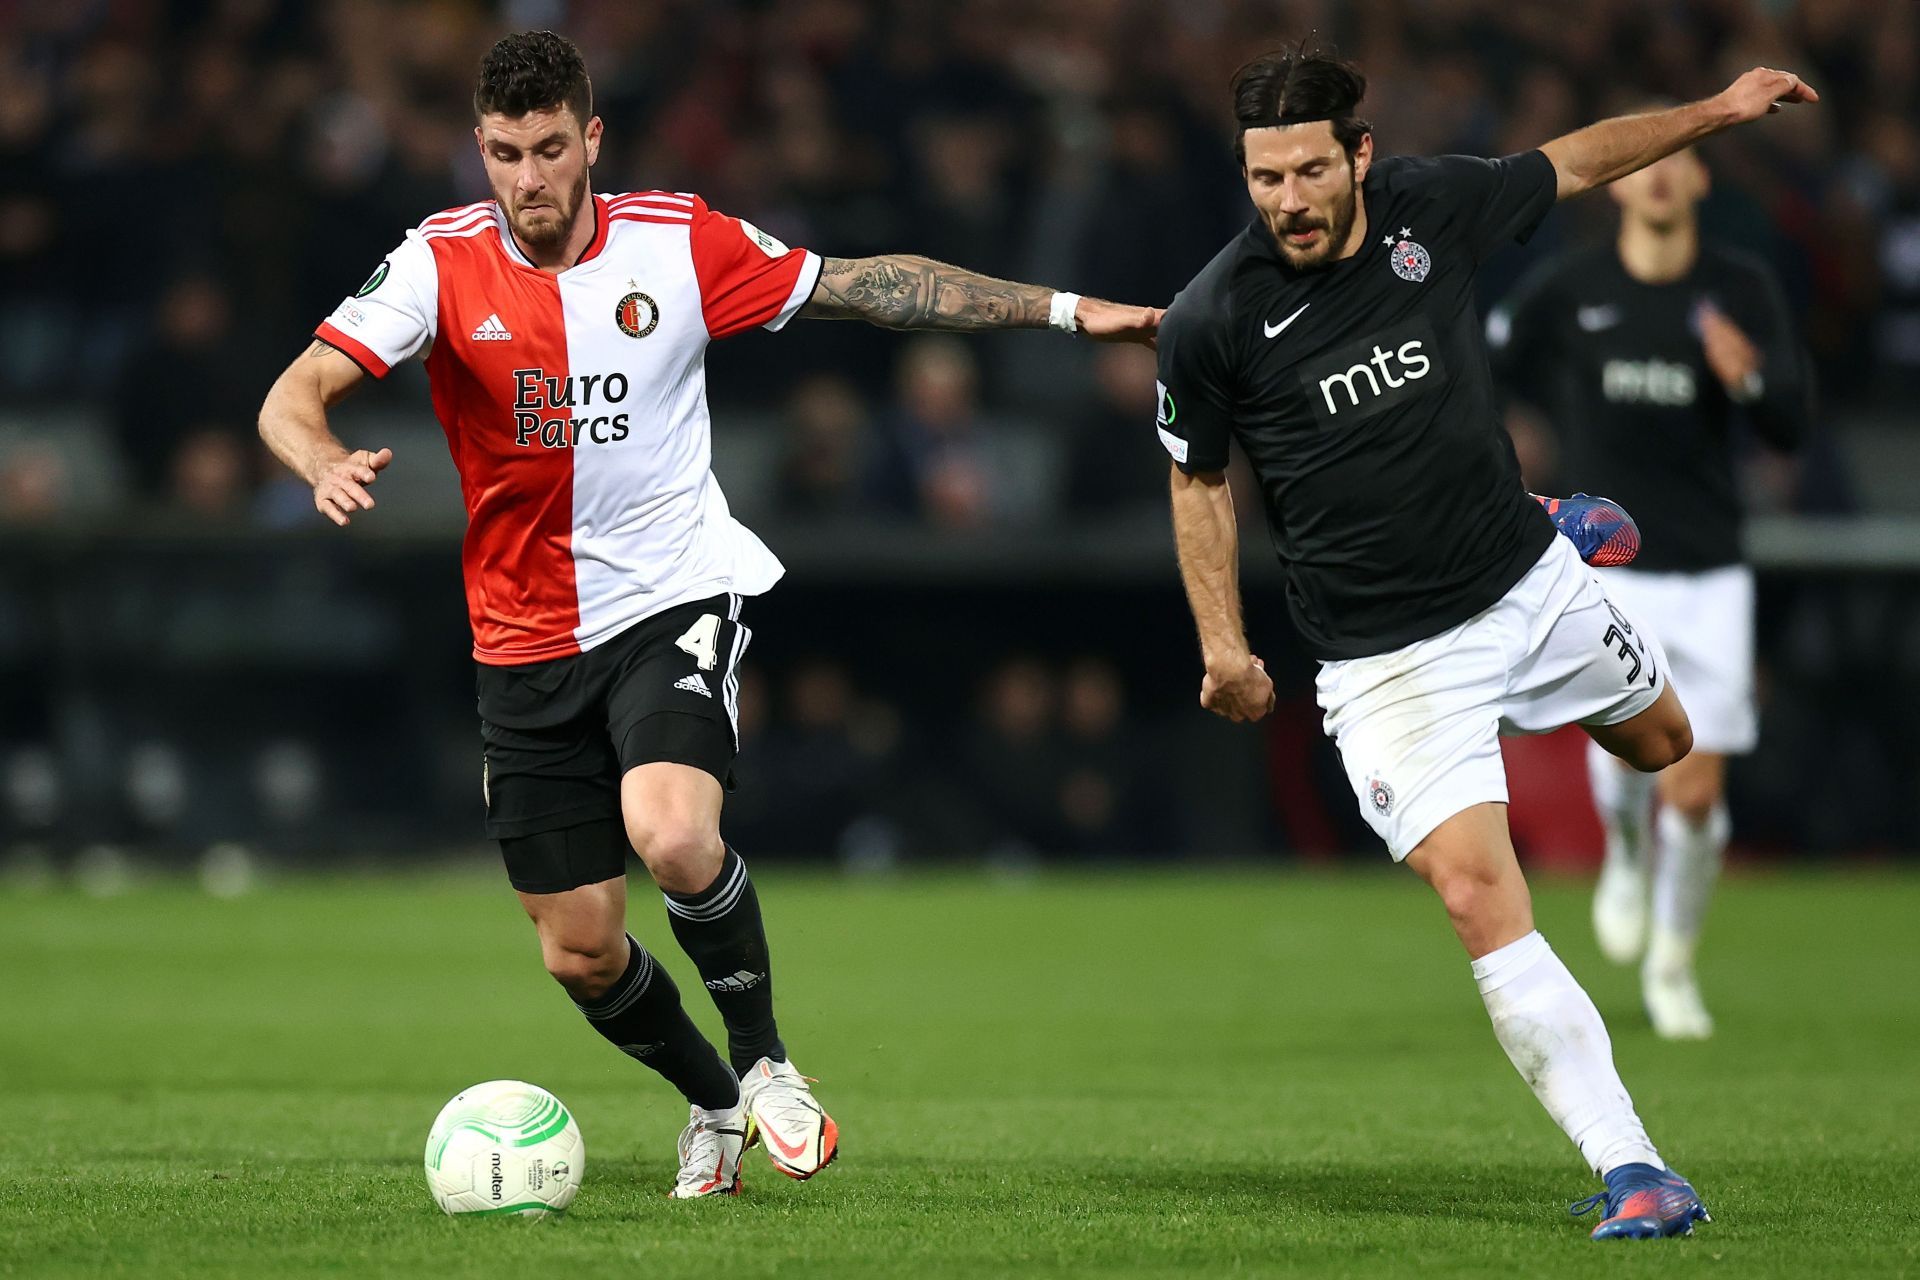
column 1646, row 354
column 1336, row 340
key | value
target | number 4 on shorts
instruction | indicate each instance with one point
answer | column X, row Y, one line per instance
column 702, row 641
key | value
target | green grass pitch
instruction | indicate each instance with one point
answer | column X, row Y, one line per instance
column 1181, row 1073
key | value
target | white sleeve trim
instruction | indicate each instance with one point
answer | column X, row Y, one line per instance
column 802, row 290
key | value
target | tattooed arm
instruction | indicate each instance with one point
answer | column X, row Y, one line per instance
column 905, row 291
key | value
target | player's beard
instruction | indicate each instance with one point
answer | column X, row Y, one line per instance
column 557, row 225
column 1337, row 221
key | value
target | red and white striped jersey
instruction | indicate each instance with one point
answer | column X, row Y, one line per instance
column 575, row 406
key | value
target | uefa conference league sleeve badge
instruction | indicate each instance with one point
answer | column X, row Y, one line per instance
column 374, row 281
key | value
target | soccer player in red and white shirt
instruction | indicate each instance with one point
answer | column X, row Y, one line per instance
column 564, row 334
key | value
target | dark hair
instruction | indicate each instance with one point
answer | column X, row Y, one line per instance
column 1299, row 82
column 533, row 71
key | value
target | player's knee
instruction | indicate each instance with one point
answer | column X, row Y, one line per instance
column 1663, row 748
column 1462, row 895
column 586, row 974
column 1678, row 743
column 1484, row 900
column 682, row 857
column 1469, row 892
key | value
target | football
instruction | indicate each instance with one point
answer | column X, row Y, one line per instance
column 505, row 1147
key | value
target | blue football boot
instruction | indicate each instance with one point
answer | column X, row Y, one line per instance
column 1644, row 1203
column 1599, row 528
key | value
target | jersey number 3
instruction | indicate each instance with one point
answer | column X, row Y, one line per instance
column 702, row 641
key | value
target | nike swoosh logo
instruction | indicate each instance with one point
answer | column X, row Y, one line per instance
column 1274, row 330
column 792, row 1153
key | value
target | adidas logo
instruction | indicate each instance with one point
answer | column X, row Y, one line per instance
column 744, row 980
column 491, row 330
column 693, row 684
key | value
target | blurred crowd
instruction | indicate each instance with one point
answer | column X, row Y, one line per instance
column 1035, row 756
column 1052, row 764
column 189, row 185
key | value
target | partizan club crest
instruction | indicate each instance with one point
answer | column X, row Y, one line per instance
column 1381, row 795
column 637, row 315
column 1408, row 256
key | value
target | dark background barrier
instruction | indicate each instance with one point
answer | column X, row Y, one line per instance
column 906, row 696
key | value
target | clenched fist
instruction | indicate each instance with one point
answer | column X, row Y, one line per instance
column 1730, row 353
column 1241, row 691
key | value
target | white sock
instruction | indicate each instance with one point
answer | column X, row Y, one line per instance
column 1556, row 1040
column 1683, row 881
column 1624, row 799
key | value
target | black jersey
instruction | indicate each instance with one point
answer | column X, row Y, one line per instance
column 1620, row 370
column 1361, row 395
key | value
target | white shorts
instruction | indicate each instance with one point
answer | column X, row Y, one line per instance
column 1705, row 623
column 1419, row 728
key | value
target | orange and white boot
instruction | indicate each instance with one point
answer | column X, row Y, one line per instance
column 800, row 1137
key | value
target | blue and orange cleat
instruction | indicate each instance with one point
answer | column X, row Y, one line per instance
column 1644, row 1203
column 1599, row 528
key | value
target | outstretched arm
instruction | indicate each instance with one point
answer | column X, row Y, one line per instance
column 906, row 291
column 1596, row 155
column 1236, row 684
column 293, row 422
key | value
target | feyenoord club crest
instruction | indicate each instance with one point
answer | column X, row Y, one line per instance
column 1409, row 258
column 1378, row 791
column 637, row 315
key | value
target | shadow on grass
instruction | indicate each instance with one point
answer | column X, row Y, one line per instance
column 1501, row 1195
column 1505, row 1195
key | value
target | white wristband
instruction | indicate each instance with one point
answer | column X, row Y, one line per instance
column 1060, row 314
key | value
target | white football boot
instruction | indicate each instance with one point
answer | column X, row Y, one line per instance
column 1671, row 992
column 710, row 1148
column 801, row 1139
column 1620, row 905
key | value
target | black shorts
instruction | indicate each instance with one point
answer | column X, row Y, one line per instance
column 559, row 735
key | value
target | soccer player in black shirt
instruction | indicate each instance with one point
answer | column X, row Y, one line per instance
column 1645, row 354
column 1336, row 340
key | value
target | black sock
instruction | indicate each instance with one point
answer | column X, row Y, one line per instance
column 641, row 1015
column 719, row 928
